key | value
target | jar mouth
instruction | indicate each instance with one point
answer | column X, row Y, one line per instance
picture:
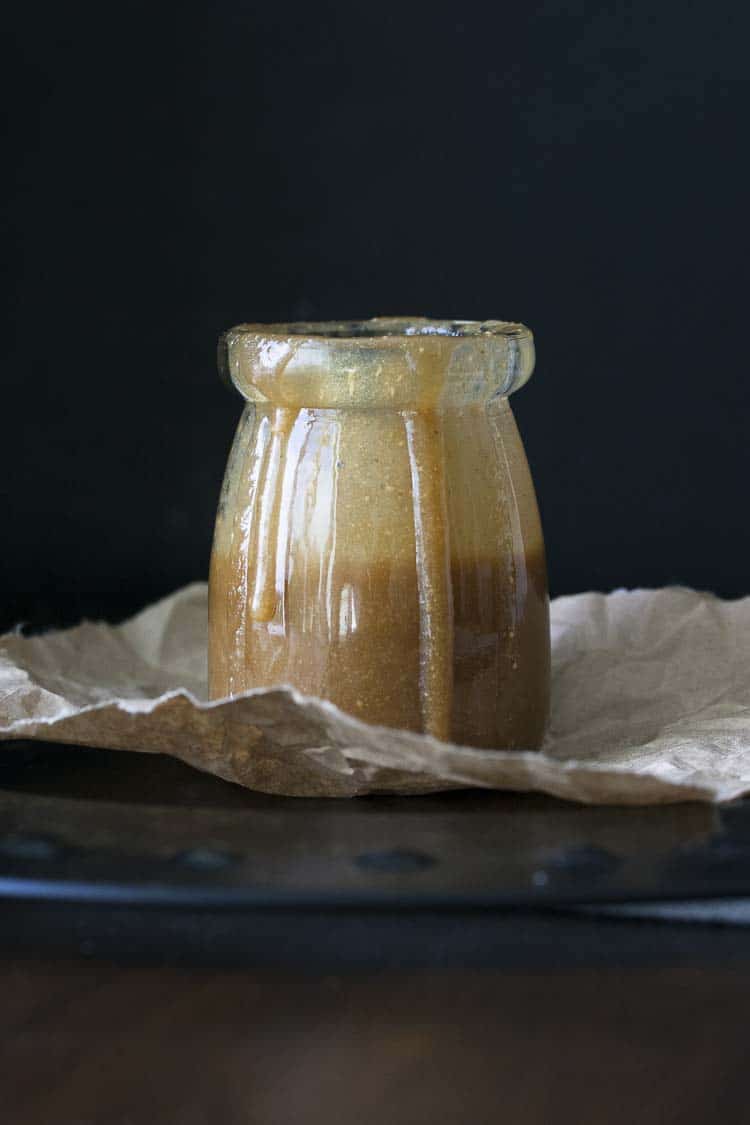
column 388, row 362
column 382, row 328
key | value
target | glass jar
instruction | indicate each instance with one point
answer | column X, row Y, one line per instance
column 378, row 541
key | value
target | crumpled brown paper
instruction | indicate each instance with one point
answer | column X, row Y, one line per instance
column 650, row 703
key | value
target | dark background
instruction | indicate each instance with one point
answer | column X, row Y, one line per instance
column 172, row 171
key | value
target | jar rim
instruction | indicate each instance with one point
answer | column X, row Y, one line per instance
column 412, row 360
column 382, row 329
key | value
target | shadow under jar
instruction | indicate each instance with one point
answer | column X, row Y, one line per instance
column 378, row 541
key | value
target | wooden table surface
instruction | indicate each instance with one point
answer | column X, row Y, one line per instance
column 84, row 1043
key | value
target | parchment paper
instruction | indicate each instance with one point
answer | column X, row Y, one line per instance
column 651, row 703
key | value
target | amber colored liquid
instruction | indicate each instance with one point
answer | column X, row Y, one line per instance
column 391, row 563
column 499, row 666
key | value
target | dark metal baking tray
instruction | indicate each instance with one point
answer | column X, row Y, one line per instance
column 134, row 855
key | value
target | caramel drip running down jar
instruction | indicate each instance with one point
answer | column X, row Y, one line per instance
column 378, row 541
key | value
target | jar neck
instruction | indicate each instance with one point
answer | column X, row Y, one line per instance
column 469, row 411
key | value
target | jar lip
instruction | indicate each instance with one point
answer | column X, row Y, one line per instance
column 384, row 329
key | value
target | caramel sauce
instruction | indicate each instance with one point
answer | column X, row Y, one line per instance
column 390, row 561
